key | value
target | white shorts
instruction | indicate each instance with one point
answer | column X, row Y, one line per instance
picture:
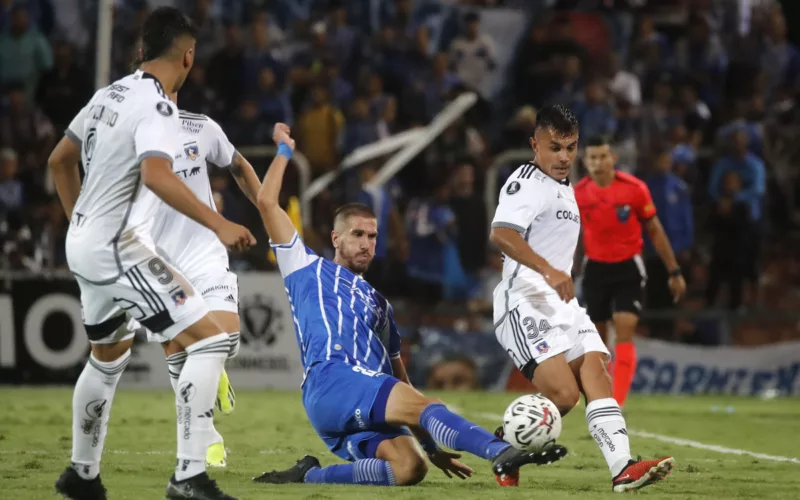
column 219, row 289
column 533, row 332
column 153, row 293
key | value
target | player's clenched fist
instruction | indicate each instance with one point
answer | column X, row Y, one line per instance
column 561, row 283
column 235, row 237
column 282, row 134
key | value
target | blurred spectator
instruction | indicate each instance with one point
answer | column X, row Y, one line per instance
column 361, row 128
column 246, row 126
column 595, row 114
column 702, row 55
column 261, row 55
column 751, row 171
column 341, row 37
column 488, row 278
column 226, row 68
column 210, row 35
column 684, row 160
column 12, row 191
column 655, row 115
column 541, row 59
column 199, row 97
column 340, row 89
column 273, row 103
column 519, row 129
column 457, row 141
column 308, row 63
column 742, row 120
column 571, row 84
column 28, row 131
column 382, row 106
column 318, row 130
column 24, row 53
column 696, row 114
column 65, row 89
column 472, row 55
column 453, row 373
column 439, row 88
column 431, row 226
column 650, row 47
column 780, row 62
column 732, row 227
column 624, row 85
column 390, row 224
column 470, row 214
column 674, row 207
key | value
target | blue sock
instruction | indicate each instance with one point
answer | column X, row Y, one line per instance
column 458, row 433
column 367, row 471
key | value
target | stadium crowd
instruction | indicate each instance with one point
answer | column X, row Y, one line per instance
column 699, row 97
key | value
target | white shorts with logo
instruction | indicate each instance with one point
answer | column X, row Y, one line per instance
column 219, row 289
column 152, row 293
column 535, row 331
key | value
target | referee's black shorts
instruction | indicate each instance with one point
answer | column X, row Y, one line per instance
column 613, row 287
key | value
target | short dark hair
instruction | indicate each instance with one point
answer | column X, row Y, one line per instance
column 350, row 209
column 162, row 28
column 558, row 118
column 598, row 140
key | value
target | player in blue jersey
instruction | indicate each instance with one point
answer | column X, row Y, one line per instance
column 356, row 391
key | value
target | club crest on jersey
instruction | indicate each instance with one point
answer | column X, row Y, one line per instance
column 513, row 188
column 179, row 297
column 164, row 108
column 192, row 150
column 624, row 213
column 542, row 347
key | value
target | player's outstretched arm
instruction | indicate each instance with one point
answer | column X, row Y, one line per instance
column 245, row 177
column 276, row 221
column 511, row 243
column 63, row 165
column 158, row 176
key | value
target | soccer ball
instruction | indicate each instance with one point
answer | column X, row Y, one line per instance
column 531, row 423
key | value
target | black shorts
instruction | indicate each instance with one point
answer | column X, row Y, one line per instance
column 613, row 287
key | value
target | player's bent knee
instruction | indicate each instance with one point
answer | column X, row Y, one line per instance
column 565, row 398
column 409, row 470
column 111, row 352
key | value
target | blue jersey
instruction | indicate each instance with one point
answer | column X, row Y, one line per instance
column 337, row 315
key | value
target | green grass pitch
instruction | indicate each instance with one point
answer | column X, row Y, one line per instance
column 269, row 430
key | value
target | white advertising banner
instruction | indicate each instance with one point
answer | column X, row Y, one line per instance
column 667, row 368
column 268, row 356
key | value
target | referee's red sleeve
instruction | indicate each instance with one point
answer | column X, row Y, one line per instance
column 645, row 208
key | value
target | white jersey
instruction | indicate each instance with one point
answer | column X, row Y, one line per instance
column 193, row 248
column 545, row 212
column 123, row 124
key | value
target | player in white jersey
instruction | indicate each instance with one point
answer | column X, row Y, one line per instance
column 537, row 318
column 126, row 138
column 196, row 250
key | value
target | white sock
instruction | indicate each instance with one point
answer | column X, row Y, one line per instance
column 175, row 364
column 234, row 344
column 607, row 426
column 194, row 399
column 91, row 410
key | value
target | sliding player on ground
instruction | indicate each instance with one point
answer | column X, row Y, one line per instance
column 537, row 319
column 198, row 253
column 356, row 391
column 126, row 138
column 614, row 206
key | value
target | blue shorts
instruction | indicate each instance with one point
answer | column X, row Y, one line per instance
column 347, row 407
